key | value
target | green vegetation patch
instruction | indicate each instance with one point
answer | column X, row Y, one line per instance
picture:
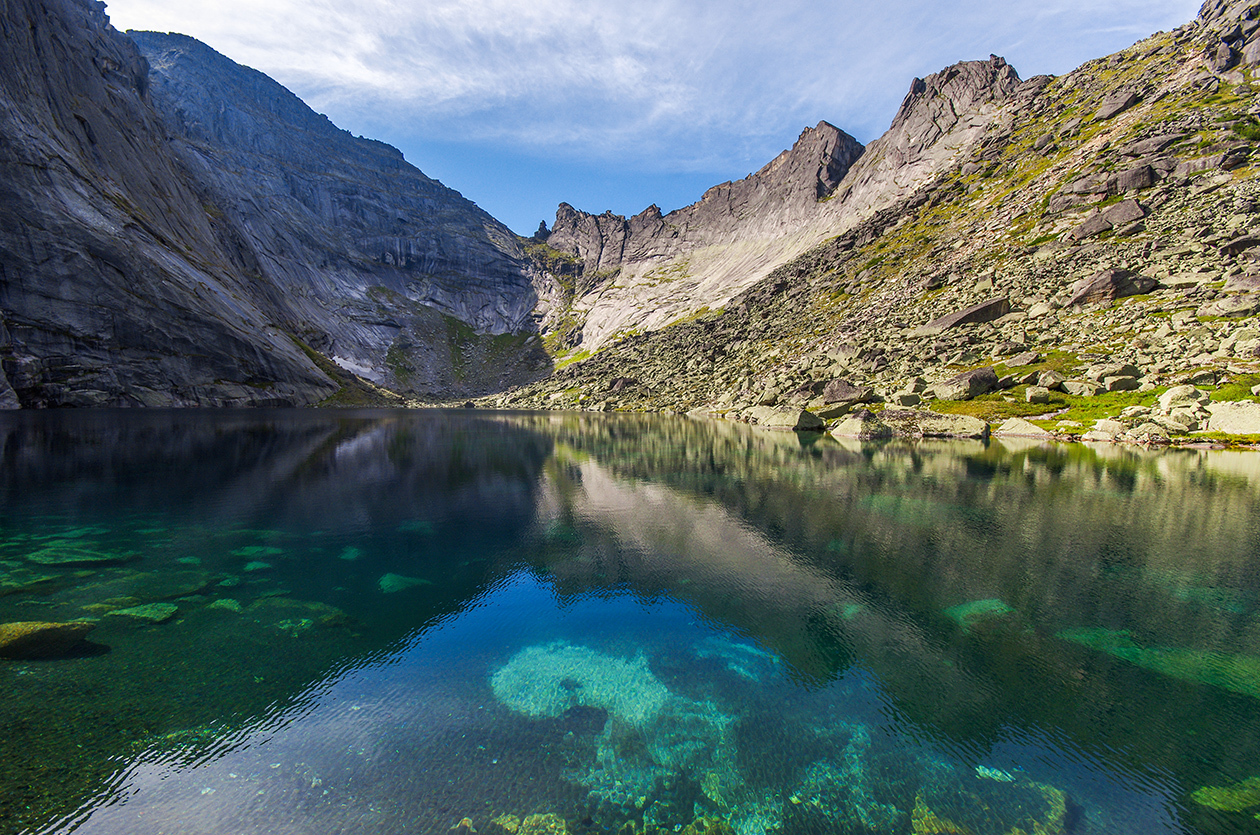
column 354, row 391
column 994, row 407
column 1088, row 409
column 1238, row 388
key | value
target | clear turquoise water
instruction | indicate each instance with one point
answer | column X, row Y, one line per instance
column 389, row 622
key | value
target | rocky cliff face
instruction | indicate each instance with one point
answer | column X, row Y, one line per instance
column 356, row 248
column 643, row 273
column 185, row 231
column 114, row 287
column 1080, row 251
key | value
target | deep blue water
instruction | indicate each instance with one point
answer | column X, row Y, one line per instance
column 388, row 622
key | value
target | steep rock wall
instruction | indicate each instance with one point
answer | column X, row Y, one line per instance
column 114, row 288
column 354, row 247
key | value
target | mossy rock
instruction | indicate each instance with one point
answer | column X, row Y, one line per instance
column 29, row 640
column 152, row 613
column 1235, row 798
column 548, row 824
column 978, row 613
column 70, row 553
column 1233, row 672
column 708, row 826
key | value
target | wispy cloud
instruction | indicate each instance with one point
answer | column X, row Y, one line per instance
column 665, row 85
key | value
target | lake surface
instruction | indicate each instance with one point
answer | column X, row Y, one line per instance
column 388, row 622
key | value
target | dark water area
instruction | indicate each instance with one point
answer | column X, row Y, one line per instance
column 390, row 622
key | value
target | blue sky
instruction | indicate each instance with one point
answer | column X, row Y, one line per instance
column 520, row 104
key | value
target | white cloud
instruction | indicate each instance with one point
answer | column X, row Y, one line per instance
column 667, row 83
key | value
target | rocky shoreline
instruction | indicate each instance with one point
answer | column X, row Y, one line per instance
column 1068, row 272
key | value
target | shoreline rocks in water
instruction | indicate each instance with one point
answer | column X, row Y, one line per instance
column 31, row 640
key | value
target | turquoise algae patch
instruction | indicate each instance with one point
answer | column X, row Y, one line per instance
column 548, row 680
column 978, row 612
column 1234, row 672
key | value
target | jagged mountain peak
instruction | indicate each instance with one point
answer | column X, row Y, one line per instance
column 956, row 90
column 1233, row 11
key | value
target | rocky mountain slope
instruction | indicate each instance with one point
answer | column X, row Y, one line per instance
column 365, row 256
column 646, row 272
column 186, row 232
column 114, row 287
column 1075, row 248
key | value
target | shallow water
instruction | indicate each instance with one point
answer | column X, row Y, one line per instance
column 387, row 622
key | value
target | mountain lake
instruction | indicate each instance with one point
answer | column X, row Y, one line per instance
column 321, row 621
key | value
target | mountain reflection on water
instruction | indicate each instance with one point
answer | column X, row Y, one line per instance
column 392, row 621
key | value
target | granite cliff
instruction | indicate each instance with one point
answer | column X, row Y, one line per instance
column 370, row 261
column 184, row 231
column 114, row 287
column 648, row 271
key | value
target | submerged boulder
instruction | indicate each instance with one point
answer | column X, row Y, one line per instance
column 148, row 613
column 28, row 640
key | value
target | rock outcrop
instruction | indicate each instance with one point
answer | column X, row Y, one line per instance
column 114, row 288
column 28, row 640
column 183, row 231
column 354, row 247
column 1057, row 251
column 648, row 271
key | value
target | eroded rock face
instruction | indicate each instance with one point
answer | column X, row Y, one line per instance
column 353, row 245
column 647, row 271
column 115, row 287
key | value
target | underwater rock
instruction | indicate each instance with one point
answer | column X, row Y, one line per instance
column 977, row 613
column 958, row 800
column 1235, row 798
column 30, row 640
column 391, row 583
column 227, row 604
column 841, row 794
column 258, row 551
column 416, row 526
column 548, row 680
column 923, row 821
column 745, row 660
column 350, row 553
column 257, row 565
column 504, row 825
column 71, row 552
column 148, row 613
column 147, row 586
column 1236, row 673
column 19, row 582
column 464, row 827
column 708, row 826
column 548, row 824
column 286, row 612
column 651, row 736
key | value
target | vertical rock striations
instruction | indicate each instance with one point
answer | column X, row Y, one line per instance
column 354, row 246
column 114, row 288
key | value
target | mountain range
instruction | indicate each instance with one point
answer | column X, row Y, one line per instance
column 180, row 230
